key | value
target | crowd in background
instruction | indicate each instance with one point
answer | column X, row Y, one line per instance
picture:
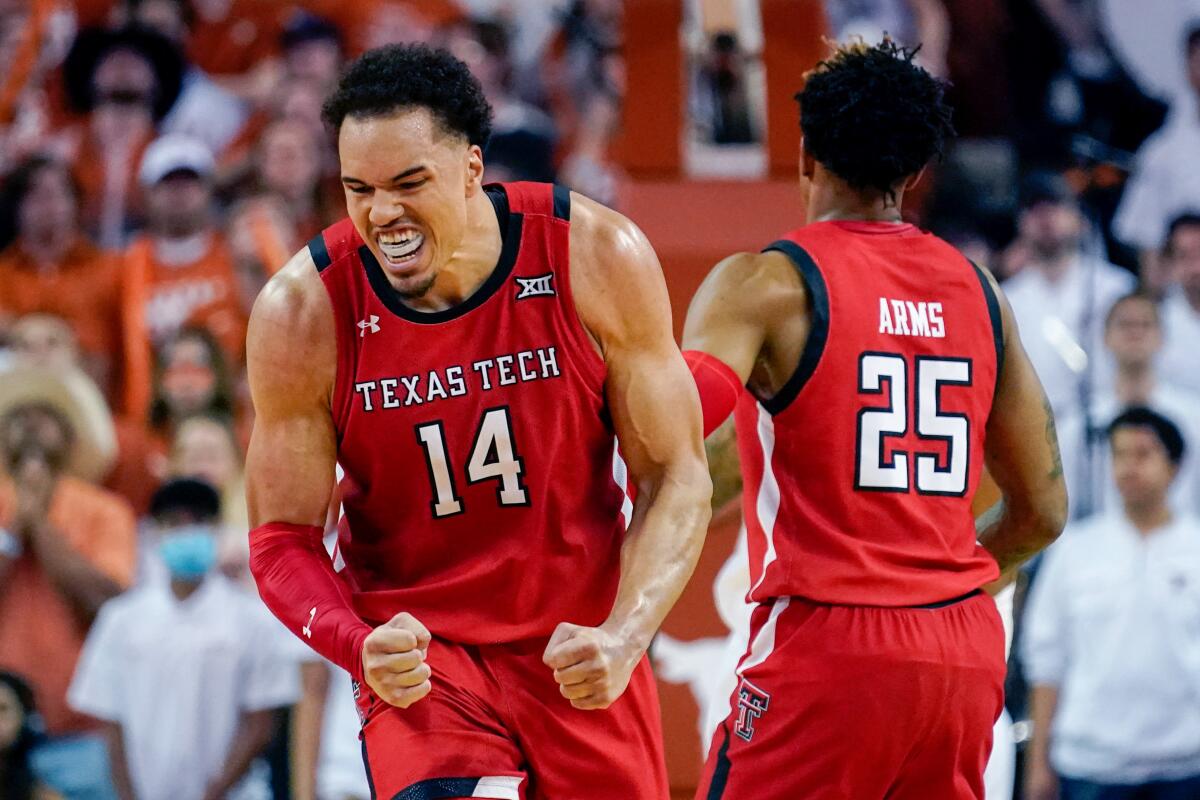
column 161, row 158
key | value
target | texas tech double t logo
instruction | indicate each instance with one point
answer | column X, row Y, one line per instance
column 752, row 704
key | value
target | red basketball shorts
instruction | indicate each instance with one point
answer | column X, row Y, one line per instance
column 495, row 725
column 861, row 703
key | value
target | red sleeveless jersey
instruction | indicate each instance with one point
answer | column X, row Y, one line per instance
column 859, row 473
column 482, row 492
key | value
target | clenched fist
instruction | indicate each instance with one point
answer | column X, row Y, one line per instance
column 393, row 657
column 591, row 665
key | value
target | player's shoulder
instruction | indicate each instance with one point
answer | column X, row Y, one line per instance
column 293, row 298
column 602, row 236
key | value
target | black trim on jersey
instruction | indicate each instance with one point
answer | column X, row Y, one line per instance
column 367, row 767
column 953, row 601
column 319, row 252
column 438, row 788
column 993, row 307
column 562, row 202
column 510, row 235
column 720, row 776
column 818, row 334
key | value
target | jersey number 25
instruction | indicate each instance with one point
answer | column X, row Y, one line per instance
column 877, row 470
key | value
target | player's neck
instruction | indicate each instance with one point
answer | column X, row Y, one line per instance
column 831, row 199
column 472, row 263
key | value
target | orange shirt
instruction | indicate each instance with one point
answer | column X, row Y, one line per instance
column 40, row 635
column 159, row 299
column 83, row 290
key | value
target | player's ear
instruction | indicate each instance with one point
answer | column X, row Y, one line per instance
column 914, row 179
column 808, row 164
column 474, row 169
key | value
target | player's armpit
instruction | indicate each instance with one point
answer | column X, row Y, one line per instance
column 1022, row 456
column 622, row 300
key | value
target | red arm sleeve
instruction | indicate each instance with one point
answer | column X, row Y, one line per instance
column 296, row 580
column 718, row 385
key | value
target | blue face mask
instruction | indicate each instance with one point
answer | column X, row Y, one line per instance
column 189, row 552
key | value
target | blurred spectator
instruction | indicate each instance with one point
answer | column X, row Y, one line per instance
column 287, row 207
column 1166, row 180
column 192, row 378
column 182, row 671
column 47, row 341
column 523, row 138
column 50, row 266
column 205, row 447
column 66, row 547
column 326, row 756
column 1181, row 307
column 1133, row 336
column 125, row 80
column 910, row 22
column 180, row 272
column 1112, row 638
column 203, row 110
column 1060, row 295
column 721, row 100
column 18, row 735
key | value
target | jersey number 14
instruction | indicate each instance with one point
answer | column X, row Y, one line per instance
column 875, row 469
column 493, row 457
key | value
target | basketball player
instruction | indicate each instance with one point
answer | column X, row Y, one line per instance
column 466, row 354
column 882, row 372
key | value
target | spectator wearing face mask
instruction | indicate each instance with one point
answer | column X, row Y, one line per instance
column 18, row 736
column 186, row 671
column 66, row 547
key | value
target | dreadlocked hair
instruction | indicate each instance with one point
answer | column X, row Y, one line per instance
column 872, row 116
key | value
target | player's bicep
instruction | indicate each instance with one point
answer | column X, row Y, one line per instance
column 290, row 361
column 720, row 322
column 1021, row 451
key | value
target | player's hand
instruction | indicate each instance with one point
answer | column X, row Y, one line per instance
column 393, row 657
column 591, row 665
column 1040, row 781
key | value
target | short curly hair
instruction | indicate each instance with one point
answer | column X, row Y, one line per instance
column 872, row 116
column 389, row 79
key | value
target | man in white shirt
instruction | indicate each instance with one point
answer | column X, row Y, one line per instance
column 1133, row 336
column 1181, row 306
column 185, row 672
column 1060, row 295
column 1166, row 179
column 1112, row 638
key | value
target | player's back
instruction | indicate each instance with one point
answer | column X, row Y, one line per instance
column 860, row 471
column 479, row 488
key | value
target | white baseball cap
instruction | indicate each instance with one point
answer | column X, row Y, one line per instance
column 175, row 152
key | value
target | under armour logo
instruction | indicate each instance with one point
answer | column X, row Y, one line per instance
column 307, row 631
column 370, row 324
column 752, row 703
column 539, row 286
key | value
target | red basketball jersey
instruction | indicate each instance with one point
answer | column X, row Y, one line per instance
column 859, row 472
column 481, row 490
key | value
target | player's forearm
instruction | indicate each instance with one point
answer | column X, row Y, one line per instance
column 252, row 738
column 1018, row 534
column 296, row 581
column 1043, row 701
column 660, row 551
column 724, row 466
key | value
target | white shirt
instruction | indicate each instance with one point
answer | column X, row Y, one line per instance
column 1180, row 360
column 1165, row 183
column 1113, row 622
column 177, row 676
column 1057, row 318
column 1091, row 486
